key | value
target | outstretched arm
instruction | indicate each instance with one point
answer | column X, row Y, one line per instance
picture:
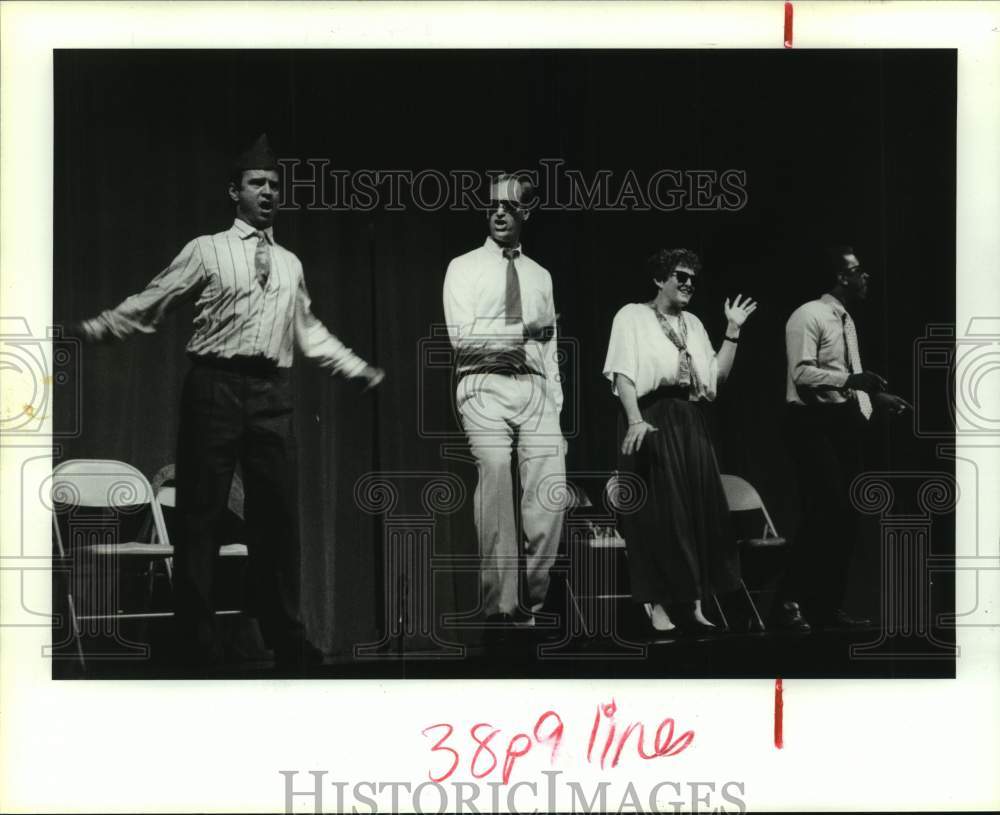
column 143, row 312
column 320, row 346
column 736, row 313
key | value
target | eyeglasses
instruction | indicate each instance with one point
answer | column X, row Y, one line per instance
column 506, row 206
column 684, row 278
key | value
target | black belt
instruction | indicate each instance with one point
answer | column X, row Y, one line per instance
column 512, row 362
column 503, row 370
column 250, row 366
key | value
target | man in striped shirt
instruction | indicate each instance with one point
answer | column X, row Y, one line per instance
column 252, row 310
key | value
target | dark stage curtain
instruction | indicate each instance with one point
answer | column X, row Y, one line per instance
column 836, row 146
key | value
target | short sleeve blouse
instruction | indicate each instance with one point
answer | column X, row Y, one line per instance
column 641, row 351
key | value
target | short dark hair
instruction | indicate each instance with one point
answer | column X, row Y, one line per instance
column 832, row 259
column 662, row 264
column 528, row 190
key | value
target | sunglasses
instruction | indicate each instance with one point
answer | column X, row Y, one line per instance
column 506, row 206
column 684, row 278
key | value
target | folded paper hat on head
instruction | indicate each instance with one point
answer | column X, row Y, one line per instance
column 258, row 156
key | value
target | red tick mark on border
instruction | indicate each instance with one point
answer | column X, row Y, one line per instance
column 788, row 25
column 779, row 714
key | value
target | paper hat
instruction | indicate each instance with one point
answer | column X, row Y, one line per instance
column 258, row 156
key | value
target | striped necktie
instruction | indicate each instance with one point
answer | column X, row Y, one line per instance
column 512, row 305
column 854, row 363
column 262, row 259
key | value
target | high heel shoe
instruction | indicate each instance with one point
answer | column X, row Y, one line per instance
column 659, row 619
column 683, row 617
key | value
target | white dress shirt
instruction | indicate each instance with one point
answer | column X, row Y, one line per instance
column 475, row 299
column 640, row 350
column 234, row 315
column 816, row 353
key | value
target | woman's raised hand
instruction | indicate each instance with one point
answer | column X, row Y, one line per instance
column 737, row 311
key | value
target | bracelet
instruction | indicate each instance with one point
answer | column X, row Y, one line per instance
column 637, row 421
column 733, row 340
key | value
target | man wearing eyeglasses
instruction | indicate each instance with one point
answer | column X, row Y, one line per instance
column 830, row 399
column 501, row 318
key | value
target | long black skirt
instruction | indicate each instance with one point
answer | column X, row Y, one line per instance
column 680, row 542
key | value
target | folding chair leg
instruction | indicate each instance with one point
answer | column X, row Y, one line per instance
column 76, row 630
column 753, row 608
column 722, row 614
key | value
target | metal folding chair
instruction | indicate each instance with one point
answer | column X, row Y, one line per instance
column 743, row 497
column 96, row 503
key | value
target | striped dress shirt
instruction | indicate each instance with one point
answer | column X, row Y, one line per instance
column 234, row 315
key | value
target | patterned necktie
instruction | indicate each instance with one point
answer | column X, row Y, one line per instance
column 262, row 259
column 512, row 305
column 687, row 376
column 854, row 363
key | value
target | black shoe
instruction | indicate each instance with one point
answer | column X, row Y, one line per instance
column 788, row 617
column 497, row 630
column 838, row 618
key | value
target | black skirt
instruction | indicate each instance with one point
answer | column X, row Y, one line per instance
column 680, row 542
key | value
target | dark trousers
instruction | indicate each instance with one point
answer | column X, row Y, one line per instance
column 237, row 412
column 825, row 446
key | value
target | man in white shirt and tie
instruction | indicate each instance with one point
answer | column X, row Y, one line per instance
column 252, row 314
column 830, row 400
column 501, row 319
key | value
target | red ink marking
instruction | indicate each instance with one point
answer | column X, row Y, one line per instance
column 555, row 736
column 779, row 712
column 513, row 753
column 437, row 747
column 788, row 25
column 668, row 746
column 624, row 738
column 484, row 744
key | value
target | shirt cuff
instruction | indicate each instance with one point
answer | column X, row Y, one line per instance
column 839, row 379
column 354, row 369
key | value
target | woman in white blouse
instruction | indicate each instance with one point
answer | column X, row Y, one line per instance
column 661, row 364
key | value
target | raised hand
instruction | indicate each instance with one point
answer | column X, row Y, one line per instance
column 373, row 377
column 737, row 312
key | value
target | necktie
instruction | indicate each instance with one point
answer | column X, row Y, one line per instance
column 854, row 363
column 512, row 306
column 262, row 259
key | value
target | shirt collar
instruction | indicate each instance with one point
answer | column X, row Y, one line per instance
column 834, row 303
column 496, row 249
column 245, row 230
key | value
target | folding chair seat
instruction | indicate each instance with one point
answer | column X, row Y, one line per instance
column 99, row 508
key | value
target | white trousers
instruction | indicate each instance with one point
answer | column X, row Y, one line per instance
column 493, row 407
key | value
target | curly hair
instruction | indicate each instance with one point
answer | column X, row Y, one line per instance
column 661, row 264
